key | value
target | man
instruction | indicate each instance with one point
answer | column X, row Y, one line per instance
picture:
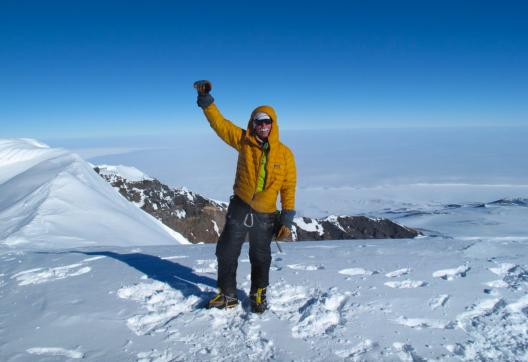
column 265, row 168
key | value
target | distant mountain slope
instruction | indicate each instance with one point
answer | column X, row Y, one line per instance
column 201, row 219
column 51, row 198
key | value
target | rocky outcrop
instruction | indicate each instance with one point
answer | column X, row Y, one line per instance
column 200, row 219
column 195, row 217
column 349, row 227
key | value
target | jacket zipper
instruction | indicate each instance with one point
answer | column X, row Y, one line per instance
column 256, row 184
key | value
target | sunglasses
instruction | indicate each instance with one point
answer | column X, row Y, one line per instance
column 260, row 122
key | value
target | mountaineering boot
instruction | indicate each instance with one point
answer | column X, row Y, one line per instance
column 223, row 301
column 258, row 301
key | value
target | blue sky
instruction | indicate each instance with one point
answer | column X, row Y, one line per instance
column 106, row 68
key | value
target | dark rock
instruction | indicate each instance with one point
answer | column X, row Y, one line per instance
column 198, row 219
column 201, row 220
column 510, row 202
column 350, row 227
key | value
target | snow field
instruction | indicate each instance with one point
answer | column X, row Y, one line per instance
column 340, row 310
column 458, row 293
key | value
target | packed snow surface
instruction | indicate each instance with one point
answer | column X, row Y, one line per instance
column 444, row 297
column 52, row 198
column 148, row 303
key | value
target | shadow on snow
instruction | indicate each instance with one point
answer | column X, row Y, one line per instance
column 178, row 276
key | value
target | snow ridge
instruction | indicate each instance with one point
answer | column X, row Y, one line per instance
column 51, row 198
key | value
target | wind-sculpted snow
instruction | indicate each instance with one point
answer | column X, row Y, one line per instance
column 40, row 275
column 21, row 150
column 54, row 351
column 51, row 198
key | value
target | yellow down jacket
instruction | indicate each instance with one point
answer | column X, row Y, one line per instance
column 281, row 174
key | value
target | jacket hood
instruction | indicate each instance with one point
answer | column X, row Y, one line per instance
column 274, row 134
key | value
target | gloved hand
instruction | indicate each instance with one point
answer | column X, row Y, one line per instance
column 284, row 233
column 285, row 222
column 203, row 87
column 286, row 218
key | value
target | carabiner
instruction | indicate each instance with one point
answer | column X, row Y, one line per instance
column 246, row 224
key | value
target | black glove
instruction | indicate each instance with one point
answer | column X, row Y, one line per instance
column 204, row 98
column 286, row 218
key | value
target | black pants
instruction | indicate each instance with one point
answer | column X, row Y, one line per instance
column 230, row 244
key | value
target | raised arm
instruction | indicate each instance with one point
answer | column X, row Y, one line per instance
column 225, row 129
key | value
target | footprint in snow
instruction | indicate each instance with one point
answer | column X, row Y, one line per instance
column 438, row 301
column 499, row 283
column 503, row 269
column 355, row 352
column 206, row 266
column 450, row 274
column 405, row 284
column 155, row 355
column 307, row 267
column 398, row 273
column 406, row 352
column 421, row 323
column 161, row 304
column 356, row 271
column 319, row 315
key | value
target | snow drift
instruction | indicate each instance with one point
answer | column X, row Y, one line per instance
column 52, row 198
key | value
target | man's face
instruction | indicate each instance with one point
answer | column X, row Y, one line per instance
column 262, row 128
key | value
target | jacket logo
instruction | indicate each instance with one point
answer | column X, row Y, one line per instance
column 276, row 165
